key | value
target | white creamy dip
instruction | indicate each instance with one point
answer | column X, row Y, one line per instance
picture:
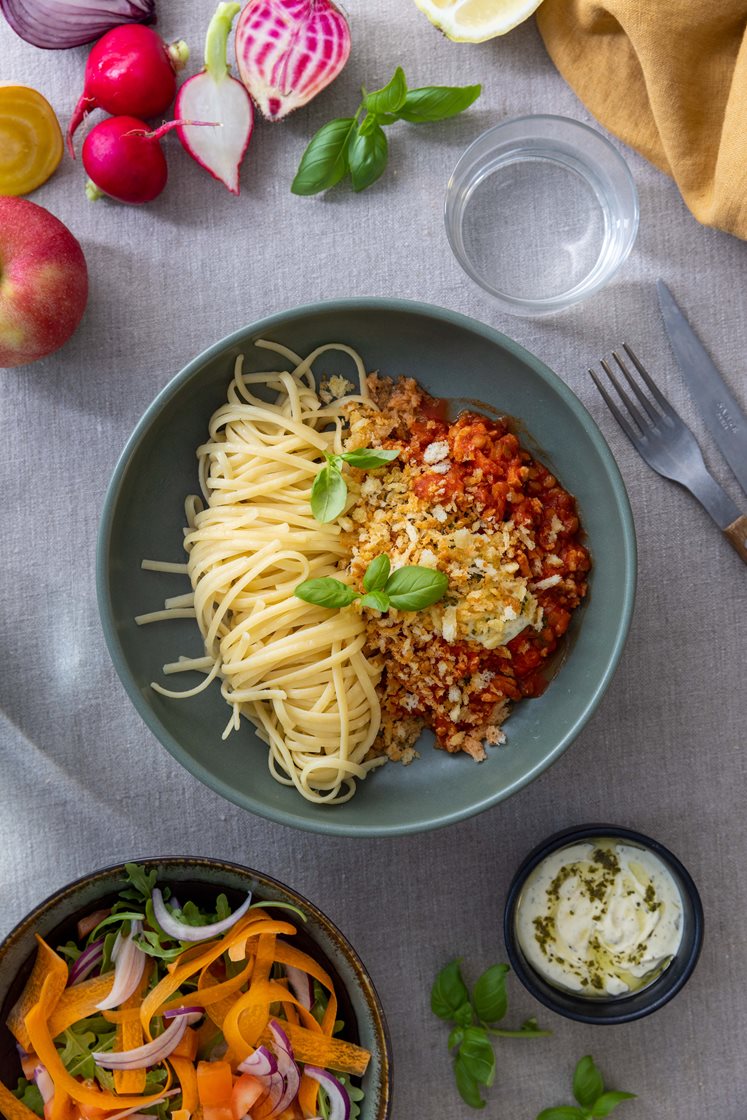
column 600, row 918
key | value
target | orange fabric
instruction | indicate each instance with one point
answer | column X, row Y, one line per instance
column 669, row 77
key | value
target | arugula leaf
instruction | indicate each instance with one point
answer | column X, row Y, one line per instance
column 28, row 1093
column 142, row 882
column 329, row 494
column 377, row 573
column 390, row 97
column 416, row 587
column 489, row 994
column 587, row 1082
column 603, row 1105
column 326, row 592
column 122, row 916
column 76, row 1046
column 437, row 103
column 369, row 458
column 449, row 992
column 325, row 161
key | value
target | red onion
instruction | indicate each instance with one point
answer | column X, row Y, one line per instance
column 288, row 51
column 339, row 1101
column 301, row 986
column 129, row 962
column 57, row 24
column 134, row 1114
column 86, row 962
column 260, row 1064
column 44, row 1083
column 151, row 1052
column 183, row 932
column 288, row 1073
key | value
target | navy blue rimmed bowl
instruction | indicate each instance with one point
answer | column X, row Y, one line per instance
column 611, row 1009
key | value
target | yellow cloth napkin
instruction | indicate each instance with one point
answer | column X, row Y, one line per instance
column 669, row 77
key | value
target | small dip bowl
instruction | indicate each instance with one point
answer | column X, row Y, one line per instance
column 601, row 1007
column 541, row 211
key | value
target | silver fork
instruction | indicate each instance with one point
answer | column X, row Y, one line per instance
column 664, row 441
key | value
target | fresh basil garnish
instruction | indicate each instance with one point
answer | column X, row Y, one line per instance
column 407, row 589
column 413, row 588
column 326, row 592
column 329, row 492
column 377, row 573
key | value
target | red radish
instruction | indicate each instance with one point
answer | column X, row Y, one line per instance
column 130, row 71
column 215, row 95
column 124, row 159
column 288, row 50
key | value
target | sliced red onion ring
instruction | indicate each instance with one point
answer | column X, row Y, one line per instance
column 86, row 962
column 176, row 1011
column 129, row 962
column 260, row 1064
column 339, row 1101
column 182, row 932
column 301, row 985
column 151, row 1052
column 57, row 24
column 287, row 1070
column 44, row 1083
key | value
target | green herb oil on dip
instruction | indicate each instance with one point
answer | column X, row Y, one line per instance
column 600, row 918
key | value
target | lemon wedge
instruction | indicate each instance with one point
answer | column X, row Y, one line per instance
column 474, row 21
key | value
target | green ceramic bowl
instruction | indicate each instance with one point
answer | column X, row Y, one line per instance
column 452, row 356
column 201, row 880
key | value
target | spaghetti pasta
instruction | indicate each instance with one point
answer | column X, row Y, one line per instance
column 298, row 672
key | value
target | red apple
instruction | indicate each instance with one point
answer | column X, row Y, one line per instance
column 43, row 282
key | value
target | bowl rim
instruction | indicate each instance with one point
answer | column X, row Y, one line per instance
column 363, row 978
column 328, row 825
column 543, row 991
column 454, row 208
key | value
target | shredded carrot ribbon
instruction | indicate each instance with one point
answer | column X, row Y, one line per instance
column 48, row 965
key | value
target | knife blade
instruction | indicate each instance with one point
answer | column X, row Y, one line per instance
column 717, row 404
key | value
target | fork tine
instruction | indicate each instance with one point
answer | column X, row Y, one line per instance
column 653, row 388
column 622, row 420
column 654, row 416
column 642, row 425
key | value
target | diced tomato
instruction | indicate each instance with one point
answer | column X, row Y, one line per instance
column 217, row 1112
column 85, row 925
column 214, row 1087
column 247, row 1090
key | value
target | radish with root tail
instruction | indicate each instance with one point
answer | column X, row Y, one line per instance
column 215, row 95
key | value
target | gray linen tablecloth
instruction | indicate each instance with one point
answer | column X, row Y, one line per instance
column 82, row 781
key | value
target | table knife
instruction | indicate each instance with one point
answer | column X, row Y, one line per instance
column 717, row 404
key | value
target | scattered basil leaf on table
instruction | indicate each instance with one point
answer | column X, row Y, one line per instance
column 474, row 1060
column 588, row 1089
column 357, row 146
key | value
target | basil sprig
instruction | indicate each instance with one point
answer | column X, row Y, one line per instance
column 329, row 492
column 358, row 145
column 588, row 1089
column 406, row 589
column 474, row 1018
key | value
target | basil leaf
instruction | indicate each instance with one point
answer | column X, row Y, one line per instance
column 390, row 97
column 326, row 592
column 368, row 458
column 564, row 1112
column 437, row 103
column 603, row 1105
column 477, row 1055
column 411, row 589
column 455, row 1037
column 368, row 153
column 448, row 992
column 379, row 600
column 469, row 1089
column 489, row 994
column 325, row 161
column 464, row 1016
column 328, row 494
column 587, row 1082
column 377, row 573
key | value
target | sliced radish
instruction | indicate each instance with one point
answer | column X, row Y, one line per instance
column 216, row 96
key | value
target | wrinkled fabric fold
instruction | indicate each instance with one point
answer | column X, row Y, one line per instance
column 669, row 77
